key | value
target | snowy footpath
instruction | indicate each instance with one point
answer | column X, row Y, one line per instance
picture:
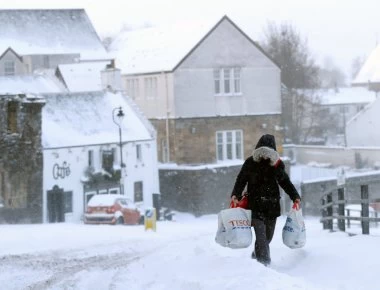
column 180, row 255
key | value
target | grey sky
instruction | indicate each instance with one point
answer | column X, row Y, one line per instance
column 336, row 29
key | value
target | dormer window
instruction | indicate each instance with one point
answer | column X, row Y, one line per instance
column 9, row 68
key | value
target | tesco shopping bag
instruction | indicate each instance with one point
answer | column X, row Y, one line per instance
column 294, row 232
column 234, row 228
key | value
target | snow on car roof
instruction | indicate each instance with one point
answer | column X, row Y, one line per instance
column 104, row 199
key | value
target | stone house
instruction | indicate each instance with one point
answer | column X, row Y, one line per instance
column 34, row 39
column 210, row 91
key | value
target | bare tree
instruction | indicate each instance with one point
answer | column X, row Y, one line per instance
column 331, row 77
column 286, row 46
column 356, row 65
column 300, row 79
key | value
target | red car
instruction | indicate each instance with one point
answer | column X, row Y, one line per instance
column 112, row 209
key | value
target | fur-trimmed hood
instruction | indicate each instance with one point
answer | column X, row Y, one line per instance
column 266, row 153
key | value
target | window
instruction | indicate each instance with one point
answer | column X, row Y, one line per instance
column 138, row 187
column 227, row 81
column 90, row 158
column 114, row 156
column 133, row 88
column 359, row 108
column 229, row 145
column 150, row 87
column 138, row 152
column 217, row 81
column 68, row 201
column 107, row 160
column 9, row 68
column 237, row 86
column 12, row 117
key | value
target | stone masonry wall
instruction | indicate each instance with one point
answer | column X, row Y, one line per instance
column 21, row 162
column 193, row 140
column 202, row 191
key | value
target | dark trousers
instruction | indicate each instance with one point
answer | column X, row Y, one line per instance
column 264, row 230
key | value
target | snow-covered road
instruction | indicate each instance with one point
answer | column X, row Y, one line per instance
column 181, row 255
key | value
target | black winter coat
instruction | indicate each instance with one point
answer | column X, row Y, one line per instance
column 262, row 173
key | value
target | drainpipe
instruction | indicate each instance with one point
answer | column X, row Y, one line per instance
column 167, row 147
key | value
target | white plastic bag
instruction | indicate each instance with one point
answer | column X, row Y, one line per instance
column 234, row 228
column 294, row 232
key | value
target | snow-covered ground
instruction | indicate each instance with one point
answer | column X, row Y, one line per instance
column 180, row 255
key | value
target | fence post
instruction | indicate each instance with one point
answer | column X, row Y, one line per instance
column 323, row 202
column 348, row 220
column 376, row 216
column 341, row 221
column 365, row 209
column 330, row 211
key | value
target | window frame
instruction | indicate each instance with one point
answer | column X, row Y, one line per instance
column 227, row 77
column 139, row 153
column 106, row 153
column 132, row 88
column 68, row 201
column 138, row 191
column 90, row 156
column 229, row 145
column 9, row 68
column 150, row 88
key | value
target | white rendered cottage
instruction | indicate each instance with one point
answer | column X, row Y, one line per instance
column 81, row 153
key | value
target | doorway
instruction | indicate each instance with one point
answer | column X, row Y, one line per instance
column 55, row 204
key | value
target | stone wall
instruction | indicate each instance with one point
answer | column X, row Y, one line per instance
column 193, row 140
column 355, row 157
column 21, row 161
column 202, row 191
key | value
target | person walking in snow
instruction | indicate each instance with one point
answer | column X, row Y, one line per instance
column 262, row 173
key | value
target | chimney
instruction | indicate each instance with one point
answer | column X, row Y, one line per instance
column 111, row 77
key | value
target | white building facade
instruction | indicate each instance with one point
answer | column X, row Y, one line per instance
column 83, row 159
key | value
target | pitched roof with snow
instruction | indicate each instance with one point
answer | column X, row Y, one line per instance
column 50, row 31
column 86, row 119
column 370, row 71
column 82, row 77
column 33, row 84
column 155, row 49
column 351, row 95
column 158, row 49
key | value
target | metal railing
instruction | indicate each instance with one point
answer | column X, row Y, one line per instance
column 333, row 208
